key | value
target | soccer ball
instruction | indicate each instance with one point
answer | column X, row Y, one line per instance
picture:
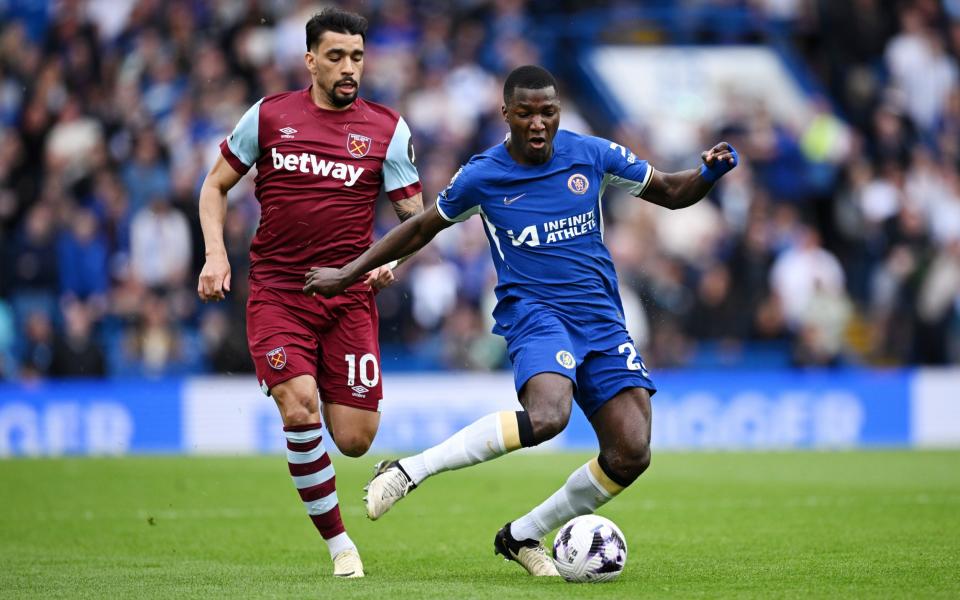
column 589, row 549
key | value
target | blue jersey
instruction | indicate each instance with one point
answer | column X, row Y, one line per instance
column 544, row 226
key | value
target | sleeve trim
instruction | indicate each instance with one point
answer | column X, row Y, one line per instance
column 646, row 181
column 631, row 186
column 231, row 158
column 402, row 193
column 443, row 215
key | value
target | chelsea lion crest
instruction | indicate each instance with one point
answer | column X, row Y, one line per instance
column 578, row 183
column 566, row 359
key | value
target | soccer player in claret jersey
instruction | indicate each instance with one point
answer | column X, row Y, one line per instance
column 558, row 305
column 322, row 155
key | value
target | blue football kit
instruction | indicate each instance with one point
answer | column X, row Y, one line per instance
column 558, row 302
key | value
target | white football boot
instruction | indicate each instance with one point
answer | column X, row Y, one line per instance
column 347, row 564
column 387, row 486
column 531, row 554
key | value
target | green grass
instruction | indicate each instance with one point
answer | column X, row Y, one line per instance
column 781, row 525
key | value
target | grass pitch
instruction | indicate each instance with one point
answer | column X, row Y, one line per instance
column 788, row 525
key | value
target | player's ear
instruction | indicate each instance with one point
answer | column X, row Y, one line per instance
column 311, row 62
column 503, row 111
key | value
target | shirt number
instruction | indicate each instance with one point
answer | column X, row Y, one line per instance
column 633, row 363
column 366, row 362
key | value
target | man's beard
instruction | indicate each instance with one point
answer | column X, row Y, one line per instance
column 340, row 100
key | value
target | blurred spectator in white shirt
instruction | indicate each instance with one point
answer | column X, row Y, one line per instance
column 160, row 245
column 798, row 273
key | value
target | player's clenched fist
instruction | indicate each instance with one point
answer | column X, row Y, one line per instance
column 214, row 278
column 325, row 281
column 717, row 161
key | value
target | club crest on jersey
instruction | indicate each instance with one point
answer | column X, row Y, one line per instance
column 566, row 359
column 358, row 145
column 277, row 358
column 578, row 183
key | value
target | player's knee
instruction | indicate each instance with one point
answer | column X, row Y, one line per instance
column 547, row 398
column 547, row 424
column 629, row 460
column 352, row 443
column 295, row 413
column 296, row 400
column 642, row 460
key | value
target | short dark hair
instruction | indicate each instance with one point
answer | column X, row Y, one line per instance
column 334, row 19
column 528, row 77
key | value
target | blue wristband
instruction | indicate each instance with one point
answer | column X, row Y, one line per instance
column 708, row 175
column 719, row 168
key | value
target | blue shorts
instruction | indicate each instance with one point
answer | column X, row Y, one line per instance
column 601, row 360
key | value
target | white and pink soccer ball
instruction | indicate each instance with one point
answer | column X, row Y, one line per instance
column 589, row 549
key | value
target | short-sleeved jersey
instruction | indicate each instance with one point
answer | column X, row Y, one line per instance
column 544, row 226
column 319, row 173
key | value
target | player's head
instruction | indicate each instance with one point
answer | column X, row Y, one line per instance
column 335, row 54
column 531, row 107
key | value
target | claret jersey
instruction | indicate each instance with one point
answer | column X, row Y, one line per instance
column 544, row 225
column 319, row 173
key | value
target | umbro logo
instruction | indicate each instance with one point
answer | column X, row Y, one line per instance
column 514, row 199
column 288, row 133
column 359, row 391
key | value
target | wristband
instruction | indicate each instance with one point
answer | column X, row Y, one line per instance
column 708, row 175
column 392, row 264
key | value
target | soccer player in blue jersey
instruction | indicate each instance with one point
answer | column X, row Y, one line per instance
column 558, row 305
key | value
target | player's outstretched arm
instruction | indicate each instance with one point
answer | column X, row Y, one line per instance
column 215, row 276
column 407, row 208
column 404, row 239
column 686, row 188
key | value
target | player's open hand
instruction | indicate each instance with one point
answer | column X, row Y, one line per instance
column 214, row 279
column 718, row 160
column 380, row 278
column 325, row 281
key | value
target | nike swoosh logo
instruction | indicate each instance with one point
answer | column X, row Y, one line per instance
column 514, row 199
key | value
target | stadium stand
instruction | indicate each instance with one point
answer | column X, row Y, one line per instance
column 836, row 242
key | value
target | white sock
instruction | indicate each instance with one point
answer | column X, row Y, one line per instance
column 339, row 543
column 586, row 490
column 485, row 439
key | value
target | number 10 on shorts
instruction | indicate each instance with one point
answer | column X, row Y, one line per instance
column 366, row 361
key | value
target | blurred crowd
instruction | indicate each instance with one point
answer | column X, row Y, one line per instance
column 836, row 242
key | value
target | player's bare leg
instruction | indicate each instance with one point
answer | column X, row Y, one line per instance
column 547, row 398
column 312, row 471
column 352, row 429
column 622, row 426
